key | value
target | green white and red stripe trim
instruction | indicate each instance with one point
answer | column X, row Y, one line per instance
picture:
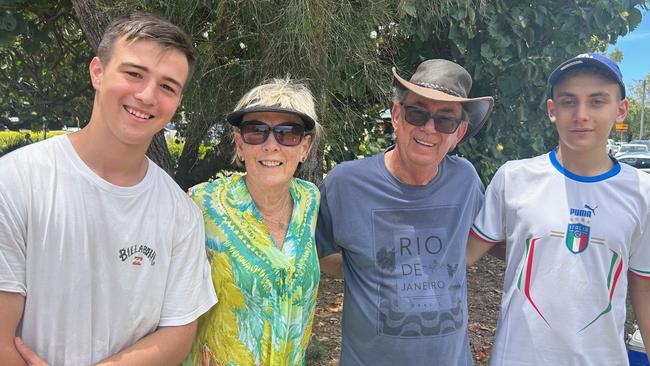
column 642, row 274
column 615, row 269
column 482, row 236
column 525, row 274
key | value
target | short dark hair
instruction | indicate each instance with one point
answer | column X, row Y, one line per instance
column 590, row 71
column 146, row 26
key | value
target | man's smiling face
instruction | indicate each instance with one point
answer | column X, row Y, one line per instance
column 422, row 147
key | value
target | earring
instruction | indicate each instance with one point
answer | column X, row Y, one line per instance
column 302, row 160
column 240, row 158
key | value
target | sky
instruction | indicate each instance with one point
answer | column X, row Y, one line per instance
column 636, row 52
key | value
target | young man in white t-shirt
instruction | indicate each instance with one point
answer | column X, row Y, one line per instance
column 576, row 227
column 102, row 258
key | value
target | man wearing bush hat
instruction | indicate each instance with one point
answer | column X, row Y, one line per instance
column 396, row 225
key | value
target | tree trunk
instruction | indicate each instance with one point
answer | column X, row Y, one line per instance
column 186, row 173
column 94, row 17
column 159, row 153
column 312, row 169
column 216, row 160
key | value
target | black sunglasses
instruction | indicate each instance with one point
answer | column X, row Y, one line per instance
column 443, row 123
column 256, row 133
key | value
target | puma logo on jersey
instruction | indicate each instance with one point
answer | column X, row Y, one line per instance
column 593, row 210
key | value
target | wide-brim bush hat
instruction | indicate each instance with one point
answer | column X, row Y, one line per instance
column 445, row 81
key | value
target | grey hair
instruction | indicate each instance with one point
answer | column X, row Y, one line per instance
column 399, row 93
column 146, row 26
column 284, row 93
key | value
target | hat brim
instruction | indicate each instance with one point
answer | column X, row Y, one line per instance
column 478, row 109
column 235, row 118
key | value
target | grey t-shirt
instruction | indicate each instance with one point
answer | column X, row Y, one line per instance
column 404, row 261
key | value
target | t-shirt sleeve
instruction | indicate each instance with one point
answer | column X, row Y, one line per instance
column 12, row 230
column 489, row 225
column 479, row 195
column 324, row 230
column 189, row 290
column 640, row 253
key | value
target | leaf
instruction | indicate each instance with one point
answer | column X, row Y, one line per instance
column 8, row 22
column 408, row 6
column 6, row 39
column 486, row 51
column 459, row 14
column 472, row 15
column 634, row 19
column 602, row 18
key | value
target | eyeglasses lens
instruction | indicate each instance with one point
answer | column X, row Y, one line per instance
column 419, row 117
column 287, row 134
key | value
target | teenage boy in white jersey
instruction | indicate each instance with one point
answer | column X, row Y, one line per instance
column 102, row 258
column 576, row 225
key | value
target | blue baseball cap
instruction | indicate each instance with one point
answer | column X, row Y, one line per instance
column 588, row 59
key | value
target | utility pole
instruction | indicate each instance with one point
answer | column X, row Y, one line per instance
column 642, row 110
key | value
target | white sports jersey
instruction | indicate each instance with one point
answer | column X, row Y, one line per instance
column 570, row 241
column 100, row 266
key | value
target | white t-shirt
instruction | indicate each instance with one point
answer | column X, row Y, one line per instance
column 100, row 266
column 570, row 241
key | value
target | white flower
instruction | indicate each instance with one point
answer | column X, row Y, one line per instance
column 373, row 34
column 242, row 45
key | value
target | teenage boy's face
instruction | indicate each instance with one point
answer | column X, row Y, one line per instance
column 138, row 90
column 584, row 108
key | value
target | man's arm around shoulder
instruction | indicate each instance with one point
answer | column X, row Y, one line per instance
column 476, row 248
column 332, row 265
column 11, row 311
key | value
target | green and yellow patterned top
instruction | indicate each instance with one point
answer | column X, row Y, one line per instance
column 267, row 296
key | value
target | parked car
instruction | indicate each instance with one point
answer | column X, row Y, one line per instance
column 639, row 161
column 631, row 149
column 642, row 142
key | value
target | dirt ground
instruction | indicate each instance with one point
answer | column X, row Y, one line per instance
column 484, row 281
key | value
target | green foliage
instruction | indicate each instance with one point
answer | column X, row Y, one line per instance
column 616, row 55
column 11, row 140
column 326, row 43
column 43, row 64
column 342, row 49
column 176, row 149
column 633, row 119
column 510, row 47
